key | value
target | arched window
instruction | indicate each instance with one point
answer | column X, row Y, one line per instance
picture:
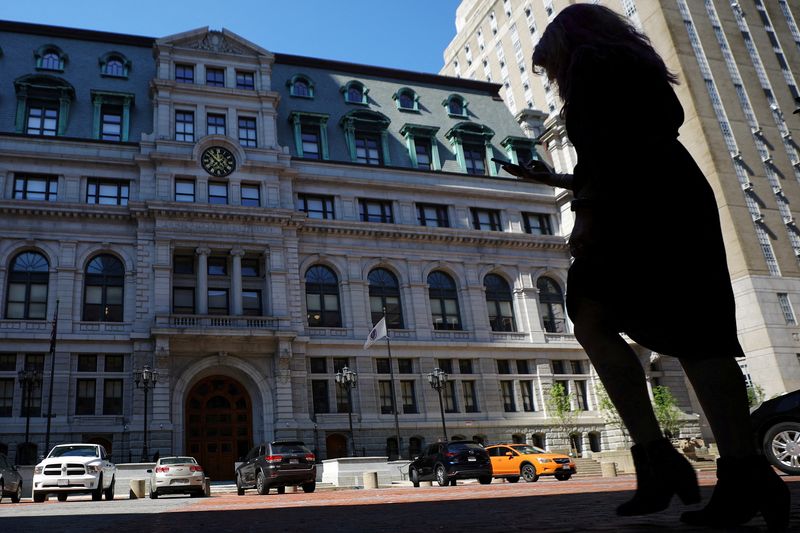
column 322, row 297
column 456, row 105
column 414, row 447
column 499, row 303
column 480, row 439
column 551, row 306
column 49, row 57
column 103, row 289
column 406, row 99
column 539, row 440
column 384, row 293
column 391, row 449
column 115, row 65
column 355, row 93
column 301, row 86
column 444, row 301
column 27, row 287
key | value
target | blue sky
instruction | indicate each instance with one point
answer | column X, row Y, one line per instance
column 410, row 35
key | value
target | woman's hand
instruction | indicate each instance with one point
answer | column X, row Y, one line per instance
column 535, row 170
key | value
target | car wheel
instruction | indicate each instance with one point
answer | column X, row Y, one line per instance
column 485, row 480
column 154, row 494
column 563, row 477
column 261, row 483
column 782, row 447
column 528, row 473
column 62, row 496
column 97, row 494
column 281, row 490
column 17, row 496
column 309, row 487
column 109, row 492
column 441, row 477
column 39, row 496
column 414, row 475
column 239, row 488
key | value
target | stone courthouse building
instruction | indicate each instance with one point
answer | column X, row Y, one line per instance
column 237, row 220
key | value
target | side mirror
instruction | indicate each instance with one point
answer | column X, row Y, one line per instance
column 149, row 471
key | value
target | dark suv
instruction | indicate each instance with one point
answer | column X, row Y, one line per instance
column 277, row 464
column 448, row 461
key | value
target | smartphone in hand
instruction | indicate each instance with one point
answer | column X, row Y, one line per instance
column 511, row 168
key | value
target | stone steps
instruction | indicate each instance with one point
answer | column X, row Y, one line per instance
column 588, row 467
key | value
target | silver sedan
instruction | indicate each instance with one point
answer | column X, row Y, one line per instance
column 178, row 475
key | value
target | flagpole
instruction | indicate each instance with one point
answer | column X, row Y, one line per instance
column 52, row 378
column 394, row 395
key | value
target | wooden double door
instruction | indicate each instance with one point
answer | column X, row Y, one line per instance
column 219, row 425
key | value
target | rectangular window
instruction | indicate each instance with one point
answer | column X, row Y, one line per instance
column 42, row 119
column 114, row 363
column 215, row 77
column 84, row 397
column 537, row 223
column 245, row 80
column 486, row 219
column 786, row 307
column 368, row 149
column 251, row 267
column 247, row 132
column 405, row 366
column 184, row 73
column 87, row 363
column 470, row 400
column 217, row 192
column 251, row 303
column 433, row 215
column 8, row 362
column 581, row 399
column 385, row 390
column 184, row 126
column 559, row 367
column 183, row 264
column 319, row 394
column 409, row 398
column 320, row 207
column 475, row 159
column 6, row 396
column 423, row 149
column 217, row 266
column 184, row 190
column 527, row 396
column 376, row 211
column 217, row 301
column 310, row 139
column 509, row 403
column 319, row 365
column 446, row 365
column 215, row 124
column 183, row 300
column 503, row 366
column 36, row 188
column 251, row 194
column 449, row 397
column 382, row 366
column 577, row 367
column 465, row 366
column 522, row 367
column 339, row 363
column 524, row 155
column 342, row 404
column 111, row 123
column 112, row 397
column 34, row 408
column 105, row 192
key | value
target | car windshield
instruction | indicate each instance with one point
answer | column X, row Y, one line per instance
column 74, row 451
column 526, row 449
column 463, row 446
column 177, row 461
column 289, row 447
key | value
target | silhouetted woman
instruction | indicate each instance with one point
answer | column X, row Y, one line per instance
column 650, row 262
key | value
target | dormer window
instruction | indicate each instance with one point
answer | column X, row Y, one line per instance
column 50, row 57
column 406, row 100
column 456, row 106
column 301, row 86
column 355, row 93
column 114, row 65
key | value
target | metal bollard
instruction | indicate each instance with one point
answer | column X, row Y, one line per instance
column 608, row 469
column 370, row 480
column 137, row 489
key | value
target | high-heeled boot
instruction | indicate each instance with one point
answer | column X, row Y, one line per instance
column 745, row 486
column 661, row 472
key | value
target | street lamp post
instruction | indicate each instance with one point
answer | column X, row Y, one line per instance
column 437, row 379
column 348, row 379
column 28, row 378
column 145, row 379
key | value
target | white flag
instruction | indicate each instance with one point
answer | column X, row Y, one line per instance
column 377, row 333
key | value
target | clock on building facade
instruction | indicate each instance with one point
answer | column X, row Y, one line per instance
column 218, row 161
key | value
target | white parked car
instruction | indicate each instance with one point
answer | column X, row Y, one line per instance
column 74, row 469
column 178, row 475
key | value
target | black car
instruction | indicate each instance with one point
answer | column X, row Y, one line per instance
column 446, row 462
column 776, row 424
column 10, row 480
column 278, row 464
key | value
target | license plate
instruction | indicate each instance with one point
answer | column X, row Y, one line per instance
column 294, row 461
column 565, row 467
column 180, row 481
column 471, row 459
column 63, row 483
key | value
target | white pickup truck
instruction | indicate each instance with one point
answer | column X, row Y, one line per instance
column 73, row 469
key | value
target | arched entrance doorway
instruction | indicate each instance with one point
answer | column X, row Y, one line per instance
column 219, row 424
column 335, row 446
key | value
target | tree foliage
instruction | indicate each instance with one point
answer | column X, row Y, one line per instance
column 608, row 410
column 666, row 410
column 755, row 395
column 559, row 403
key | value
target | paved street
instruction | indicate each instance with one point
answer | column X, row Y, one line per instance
column 548, row 505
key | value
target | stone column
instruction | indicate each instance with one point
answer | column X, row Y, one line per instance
column 202, row 280
column 236, row 281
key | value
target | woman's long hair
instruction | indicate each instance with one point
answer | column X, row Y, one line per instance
column 594, row 27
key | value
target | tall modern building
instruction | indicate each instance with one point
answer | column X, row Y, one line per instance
column 738, row 63
column 235, row 221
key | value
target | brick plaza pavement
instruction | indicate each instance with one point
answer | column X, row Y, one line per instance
column 577, row 505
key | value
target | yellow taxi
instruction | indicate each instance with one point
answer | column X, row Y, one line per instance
column 512, row 461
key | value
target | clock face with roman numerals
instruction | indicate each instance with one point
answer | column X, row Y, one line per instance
column 218, row 161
